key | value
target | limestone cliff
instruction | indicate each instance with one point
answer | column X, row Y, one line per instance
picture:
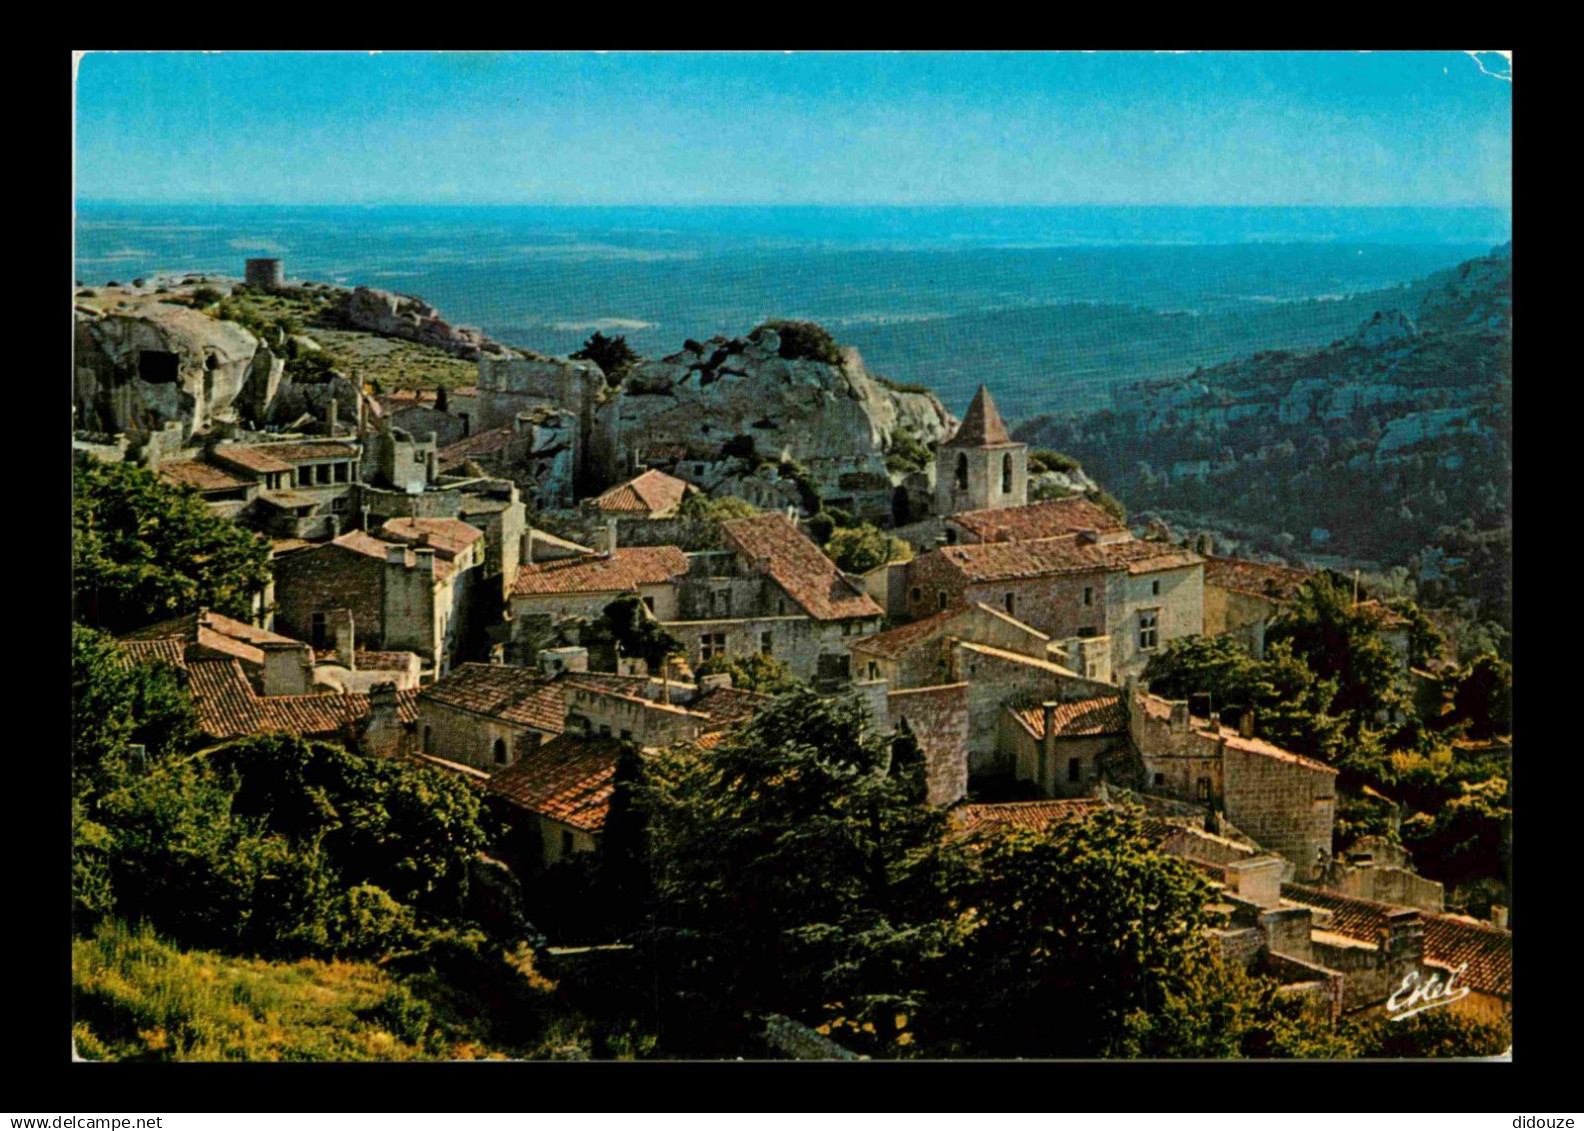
column 835, row 419
column 143, row 364
column 394, row 315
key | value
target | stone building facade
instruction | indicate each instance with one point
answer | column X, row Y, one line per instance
column 980, row 467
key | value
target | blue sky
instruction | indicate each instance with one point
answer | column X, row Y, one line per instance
column 1332, row 129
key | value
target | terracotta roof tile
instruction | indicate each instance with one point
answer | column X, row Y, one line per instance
column 1273, row 582
column 447, row 536
column 228, row 707
column 729, row 706
column 486, row 443
column 200, row 476
column 799, row 567
column 653, row 493
column 257, row 460
column 904, row 638
column 628, row 569
column 1035, row 815
column 1259, row 746
column 569, row 779
column 301, row 452
column 1004, row 561
column 1449, row 940
column 1100, row 714
column 523, row 696
column 1051, row 519
column 361, row 542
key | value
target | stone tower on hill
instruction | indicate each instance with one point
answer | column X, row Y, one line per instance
column 981, row 466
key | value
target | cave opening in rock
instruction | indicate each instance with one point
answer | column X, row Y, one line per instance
column 158, row 367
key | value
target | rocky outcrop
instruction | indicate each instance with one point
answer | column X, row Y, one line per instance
column 835, row 419
column 1386, row 326
column 155, row 363
column 403, row 316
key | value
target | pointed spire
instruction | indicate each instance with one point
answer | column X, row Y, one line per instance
column 982, row 426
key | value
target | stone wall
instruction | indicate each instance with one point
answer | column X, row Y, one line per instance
column 324, row 579
column 1285, row 806
column 796, row 641
column 468, row 737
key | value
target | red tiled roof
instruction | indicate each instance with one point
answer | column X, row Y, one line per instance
column 1449, row 940
column 1259, row 746
column 1051, row 519
column 206, row 634
column 729, row 706
column 257, row 460
column 486, row 443
column 228, row 707
column 799, row 567
column 1005, row 561
column 1035, row 815
column 200, row 476
column 628, row 569
column 524, row 696
column 653, row 493
column 1273, row 582
column 1101, row 714
column 982, row 427
column 569, row 779
column 301, row 452
column 902, row 639
column 447, row 536
column 361, row 542
column 137, row 652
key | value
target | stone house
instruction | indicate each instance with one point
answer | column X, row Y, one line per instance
column 563, row 791
column 272, row 664
column 1078, row 589
column 307, row 488
column 227, row 494
column 400, row 598
column 772, row 591
column 1061, row 747
column 582, row 585
column 1241, row 598
column 1283, row 800
column 918, row 654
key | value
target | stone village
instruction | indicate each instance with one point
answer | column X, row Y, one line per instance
column 417, row 612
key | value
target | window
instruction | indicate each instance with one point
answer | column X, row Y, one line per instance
column 1006, row 474
column 712, row 644
column 940, row 599
column 766, row 644
column 962, row 471
column 342, row 472
column 780, row 606
column 1155, row 588
column 317, row 634
column 1204, row 789
column 500, row 751
column 1007, row 601
column 339, row 504
column 428, row 743
column 951, row 536
column 1160, row 779
column 1088, row 632
column 626, row 736
column 917, row 594
column 605, row 730
column 418, row 457
column 1149, row 629
column 874, row 670
column 1075, row 769
column 1088, row 594
column 566, row 844
column 322, row 473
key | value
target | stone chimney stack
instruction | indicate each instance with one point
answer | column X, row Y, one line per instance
column 396, row 555
column 1403, row 935
column 1179, row 716
column 526, row 553
column 610, row 537
column 334, row 410
column 1498, row 916
column 1246, row 723
column 1048, row 744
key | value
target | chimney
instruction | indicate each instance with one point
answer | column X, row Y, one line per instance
column 334, row 406
column 610, row 537
column 1498, row 916
column 396, row 555
column 711, row 682
column 1047, row 752
column 1246, row 723
column 1179, row 716
column 1403, row 933
column 426, row 559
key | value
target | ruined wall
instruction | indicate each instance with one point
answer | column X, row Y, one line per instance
column 1242, row 616
column 796, row 641
column 325, row 578
column 938, row 718
column 469, row 738
column 1283, row 805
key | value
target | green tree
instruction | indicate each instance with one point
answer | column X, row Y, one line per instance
column 859, row 549
column 1340, row 642
column 1100, row 498
column 792, row 867
column 116, row 704
column 1044, row 459
column 144, row 549
column 1081, row 941
column 803, row 341
column 1425, row 642
column 1434, row 1033
column 1484, row 697
column 637, row 633
column 757, row 672
column 613, row 355
column 1214, row 673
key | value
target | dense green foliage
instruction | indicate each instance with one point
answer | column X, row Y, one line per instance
column 1044, row 459
column 637, row 633
column 906, row 453
column 756, row 672
column 144, row 549
column 803, row 341
column 613, row 355
column 1483, row 697
column 1341, row 643
column 859, row 549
